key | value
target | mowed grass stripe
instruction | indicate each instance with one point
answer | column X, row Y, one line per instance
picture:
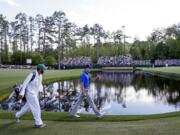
column 8, row 77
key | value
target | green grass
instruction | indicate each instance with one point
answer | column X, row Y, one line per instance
column 167, row 126
column 168, row 72
column 63, row 124
column 8, row 77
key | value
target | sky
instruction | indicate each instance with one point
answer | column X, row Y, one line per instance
column 140, row 17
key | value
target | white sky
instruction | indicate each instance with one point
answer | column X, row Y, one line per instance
column 139, row 16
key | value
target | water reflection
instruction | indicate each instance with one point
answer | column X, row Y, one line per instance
column 114, row 93
column 118, row 93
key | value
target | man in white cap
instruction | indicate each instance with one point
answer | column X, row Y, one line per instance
column 30, row 89
column 85, row 85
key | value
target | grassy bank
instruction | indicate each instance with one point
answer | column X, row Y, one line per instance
column 54, row 116
column 168, row 72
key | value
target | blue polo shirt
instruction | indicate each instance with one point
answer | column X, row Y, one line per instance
column 85, row 80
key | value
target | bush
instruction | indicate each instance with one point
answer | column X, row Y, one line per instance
column 50, row 60
column 37, row 58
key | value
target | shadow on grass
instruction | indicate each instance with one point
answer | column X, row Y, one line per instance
column 6, row 125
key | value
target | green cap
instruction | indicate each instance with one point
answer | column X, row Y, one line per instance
column 41, row 66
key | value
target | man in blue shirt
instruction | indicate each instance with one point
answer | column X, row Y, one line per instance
column 85, row 85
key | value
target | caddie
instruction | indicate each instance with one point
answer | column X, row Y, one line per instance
column 30, row 89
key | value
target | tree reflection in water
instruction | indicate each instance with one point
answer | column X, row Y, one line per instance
column 114, row 93
column 121, row 89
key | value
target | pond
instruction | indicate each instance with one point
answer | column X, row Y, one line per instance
column 116, row 94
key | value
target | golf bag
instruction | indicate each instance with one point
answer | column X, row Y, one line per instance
column 17, row 90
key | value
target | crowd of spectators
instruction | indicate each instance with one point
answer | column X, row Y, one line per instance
column 158, row 63
column 127, row 61
column 77, row 61
column 142, row 62
column 105, row 61
column 115, row 60
column 172, row 62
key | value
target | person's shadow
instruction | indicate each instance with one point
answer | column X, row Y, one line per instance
column 11, row 126
column 7, row 125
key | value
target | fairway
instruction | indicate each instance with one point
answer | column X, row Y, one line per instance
column 175, row 70
column 8, row 77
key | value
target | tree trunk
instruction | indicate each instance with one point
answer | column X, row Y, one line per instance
column 24, row 47
column 97, row 48
column 31, row 37
column 14, row 44
column 44, row 41
column 1, row 42
column 27, row 49
column 62, row 49
column 31, row 44
column 6, row 45
column 21, row 51
column 59, row 47
column 39, row 49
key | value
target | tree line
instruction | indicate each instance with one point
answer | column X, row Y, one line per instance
column 49, row 39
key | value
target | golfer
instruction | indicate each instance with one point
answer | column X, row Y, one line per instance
column 30, row 89
column 84, row 85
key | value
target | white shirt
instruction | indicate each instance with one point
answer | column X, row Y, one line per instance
column 33, row 87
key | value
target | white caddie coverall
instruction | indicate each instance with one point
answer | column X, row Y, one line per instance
column 31, row 90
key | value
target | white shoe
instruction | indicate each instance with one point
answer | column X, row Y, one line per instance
column 40, row 126
column 75, row 116
column 100, row 115
column 17, row 120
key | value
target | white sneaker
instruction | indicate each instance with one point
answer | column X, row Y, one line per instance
column 17, row 120
column 75, row 116
column 100, row 115
column 40, row 126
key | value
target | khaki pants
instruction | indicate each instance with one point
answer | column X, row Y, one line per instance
column 79, row 101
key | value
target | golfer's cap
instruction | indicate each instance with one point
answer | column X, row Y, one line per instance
column 41, row 66
column 88, row 66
